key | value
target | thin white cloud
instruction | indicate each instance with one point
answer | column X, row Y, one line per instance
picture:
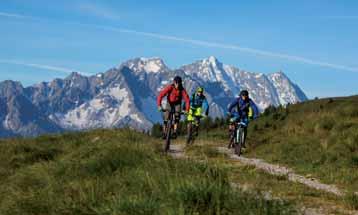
column 209, row 44
column 42, row 66
column 98, row 10
column 11, row 15
column 235, row 47
column 343, row 17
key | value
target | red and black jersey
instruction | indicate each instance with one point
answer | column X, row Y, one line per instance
column 174, row 96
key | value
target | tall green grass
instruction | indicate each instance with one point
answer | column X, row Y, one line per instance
column 317, row 137
column 115, row 172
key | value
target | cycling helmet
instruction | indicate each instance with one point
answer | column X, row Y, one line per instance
column 244, row 93
column 200, row 90
column 177, row 79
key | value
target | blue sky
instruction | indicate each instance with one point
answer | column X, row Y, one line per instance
column 313, row 42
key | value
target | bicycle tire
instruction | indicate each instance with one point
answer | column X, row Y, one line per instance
column 238, row 144
column 168, row 136
column 190, row 133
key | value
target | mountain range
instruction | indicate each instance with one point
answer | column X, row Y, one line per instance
column 126, row 96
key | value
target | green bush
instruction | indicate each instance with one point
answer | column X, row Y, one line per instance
column 327, row 123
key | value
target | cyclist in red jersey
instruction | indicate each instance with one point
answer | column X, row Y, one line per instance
column 175, row 93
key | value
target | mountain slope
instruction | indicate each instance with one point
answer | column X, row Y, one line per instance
column 19, row 116
column 287, row 91
column 126, row 96
column 273, row 89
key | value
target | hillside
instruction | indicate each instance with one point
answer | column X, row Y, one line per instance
column 124, row 172
column 318, row 137
column 116, row 172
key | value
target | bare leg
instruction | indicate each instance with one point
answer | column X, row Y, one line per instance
column 175, row 127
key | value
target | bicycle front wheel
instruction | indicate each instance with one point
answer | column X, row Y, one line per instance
column 168, row 136
column 190, row 133
column 239, row 141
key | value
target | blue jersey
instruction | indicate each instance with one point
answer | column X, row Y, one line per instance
column 197, row 101
column 242, row 107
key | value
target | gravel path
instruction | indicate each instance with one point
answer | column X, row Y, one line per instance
column 283, row 171
column 177, row 151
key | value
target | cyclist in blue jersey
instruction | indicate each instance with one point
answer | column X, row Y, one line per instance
column 242, row 109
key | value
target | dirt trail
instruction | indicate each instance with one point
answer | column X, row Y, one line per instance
column 283, row 171
column 178, row 151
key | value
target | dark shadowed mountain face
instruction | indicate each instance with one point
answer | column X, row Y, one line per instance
column 126, row 96
column 19, row 116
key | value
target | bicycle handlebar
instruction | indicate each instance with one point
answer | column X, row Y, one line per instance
column 242, row 123
column 171, row 111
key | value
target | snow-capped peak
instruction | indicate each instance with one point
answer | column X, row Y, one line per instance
column 212, row 70
column 74, row 75
column 286, row 90
column 278, row 75
column 149, row 65
column 211, row 61
column 126, row 95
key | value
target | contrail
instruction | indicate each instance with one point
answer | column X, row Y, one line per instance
column 11, row 15
column 253, row 51
column 233, row 47
column 341, row 17
column 42, row 66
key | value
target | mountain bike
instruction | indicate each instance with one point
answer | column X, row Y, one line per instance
column 169, row 128
column 193, row 130
column 237, row 137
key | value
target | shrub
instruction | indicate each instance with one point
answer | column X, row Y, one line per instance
column 352, row 200
column 327, row 123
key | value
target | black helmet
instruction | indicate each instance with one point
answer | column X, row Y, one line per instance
column 177, row 79
column 244, row 93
